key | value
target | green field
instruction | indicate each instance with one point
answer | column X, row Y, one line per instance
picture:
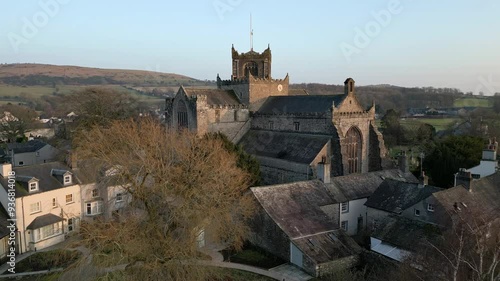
column 438, row 123
column 476, row 102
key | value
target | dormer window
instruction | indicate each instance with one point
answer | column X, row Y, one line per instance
column 67, row 179
column 33, row 186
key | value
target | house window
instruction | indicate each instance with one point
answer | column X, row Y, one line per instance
column 344, row 207
column 94, row 208
column 417, row 213
column 37, row 154
column 430, row 207
column 67, row 179
column 95, row 192
column 69, row 198
column 54, row 203
column 271, row 125
column 119, row 197
column 33, row 186
column 21, row 163
column 353, row 150
column 35, row 207
column 344, row 225
column 235, row 115
column 296, row 126
column 71, row 224
column 47, row 232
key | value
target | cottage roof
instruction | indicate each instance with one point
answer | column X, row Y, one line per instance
column 44, row 220
column 295, row 207
column 42, row 172
column 215, row 96
column 357, row 186
column 300, row 148
column 325, row 247
column 395, row 196
column 484, row 195
column 405, row 233
column 29, row 146
column 300, row 104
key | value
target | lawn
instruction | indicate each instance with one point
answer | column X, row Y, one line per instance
column 438, row 123
column 254, row 256
column 476, row 102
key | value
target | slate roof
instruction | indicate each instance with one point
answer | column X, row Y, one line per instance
column 405, row 233
column 395, row 196
column 357, row 186
column 42, row 172
column 215, row 96
column 485, row 196
column 294, row 147
column 4, row 231
column 300, row 104
column 325, row 247
column 295, row 207
column 44, row 220
column 29, row 146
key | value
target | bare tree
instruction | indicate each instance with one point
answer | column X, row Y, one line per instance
column 185, row 190
column 468, row 250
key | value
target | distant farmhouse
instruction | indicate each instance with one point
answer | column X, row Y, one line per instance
column 289, row 131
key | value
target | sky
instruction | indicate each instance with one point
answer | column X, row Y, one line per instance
column 446, row 43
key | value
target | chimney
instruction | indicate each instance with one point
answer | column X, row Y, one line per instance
column 6, row 169
column 71, row 160
column 423, row 180
column 464, row 177
column 324, row 171
column 403, row 162
column 490, row 151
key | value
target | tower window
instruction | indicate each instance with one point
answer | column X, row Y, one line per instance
column 271, row 125
column 351, row 86
column 182, row 116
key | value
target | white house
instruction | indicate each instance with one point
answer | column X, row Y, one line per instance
column 47, row 203
column 351, row 192
column 488, row 165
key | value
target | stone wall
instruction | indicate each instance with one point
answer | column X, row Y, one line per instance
column 337, row 265
column 377, row 149
column 276, row 171
column 261, row 89
column 267, row 235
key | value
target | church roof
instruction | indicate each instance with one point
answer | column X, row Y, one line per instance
column 215, row 96
column 294, row 147
column 300, row 104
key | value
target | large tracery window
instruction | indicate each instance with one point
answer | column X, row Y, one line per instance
column 182, row 116
column 353, row 144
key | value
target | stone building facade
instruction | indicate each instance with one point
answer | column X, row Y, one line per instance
column 289, row 131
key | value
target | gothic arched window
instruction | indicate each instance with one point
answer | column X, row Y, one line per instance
column 182, row 116
column 354, row 149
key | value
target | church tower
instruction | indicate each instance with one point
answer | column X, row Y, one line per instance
column 251, row 63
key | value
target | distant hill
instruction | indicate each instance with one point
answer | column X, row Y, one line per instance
column 394, row 97
column 50, row 75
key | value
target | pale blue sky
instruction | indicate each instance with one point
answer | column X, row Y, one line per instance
column 446, row 43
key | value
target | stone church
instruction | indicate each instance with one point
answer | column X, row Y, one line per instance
column 294, row 135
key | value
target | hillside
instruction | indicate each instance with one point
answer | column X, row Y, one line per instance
column 50, row 75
